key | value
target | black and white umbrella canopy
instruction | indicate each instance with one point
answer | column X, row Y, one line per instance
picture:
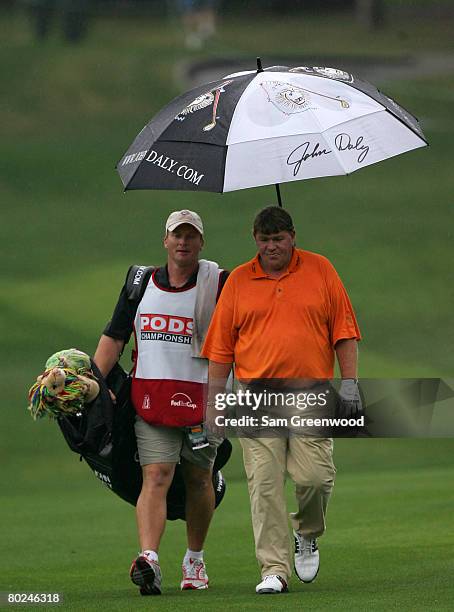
column 268, row 127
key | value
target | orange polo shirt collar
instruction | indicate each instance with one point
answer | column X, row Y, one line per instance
column 258, row 272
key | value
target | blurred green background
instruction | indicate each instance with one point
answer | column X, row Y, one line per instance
column 75, row 92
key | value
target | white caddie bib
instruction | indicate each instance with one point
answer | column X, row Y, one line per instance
column 168, row 383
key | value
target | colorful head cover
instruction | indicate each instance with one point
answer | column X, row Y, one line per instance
column 65, row 385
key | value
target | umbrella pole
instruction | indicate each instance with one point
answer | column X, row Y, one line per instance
column 278, row 191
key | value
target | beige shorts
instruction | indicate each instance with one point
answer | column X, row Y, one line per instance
column 170, row 444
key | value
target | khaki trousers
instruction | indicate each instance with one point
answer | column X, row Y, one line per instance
column 309, row 463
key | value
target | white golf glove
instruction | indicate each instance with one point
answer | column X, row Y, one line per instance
column 350, row 398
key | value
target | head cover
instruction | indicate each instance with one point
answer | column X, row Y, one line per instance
column 65, row 386
column 179, row 217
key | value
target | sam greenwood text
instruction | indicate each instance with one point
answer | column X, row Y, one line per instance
column 293, row 421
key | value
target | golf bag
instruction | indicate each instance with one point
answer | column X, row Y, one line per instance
column 103, row 435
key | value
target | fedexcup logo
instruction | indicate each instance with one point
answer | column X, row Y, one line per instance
column 180, row 400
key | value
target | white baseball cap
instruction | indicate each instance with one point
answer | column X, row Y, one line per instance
column 178, row 217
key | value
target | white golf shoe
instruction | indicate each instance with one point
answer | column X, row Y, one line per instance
column 271, row 585
column 307, row 558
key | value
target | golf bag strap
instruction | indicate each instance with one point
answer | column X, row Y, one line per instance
column 137, row 281
column 106, row 405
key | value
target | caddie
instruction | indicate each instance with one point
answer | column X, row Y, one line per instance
column 169, row 376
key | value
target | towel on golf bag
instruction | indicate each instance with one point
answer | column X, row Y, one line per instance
column 103, row 435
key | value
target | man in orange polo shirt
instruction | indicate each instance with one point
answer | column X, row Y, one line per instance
column 284, row 315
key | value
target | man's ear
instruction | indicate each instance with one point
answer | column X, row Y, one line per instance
column 164, row 241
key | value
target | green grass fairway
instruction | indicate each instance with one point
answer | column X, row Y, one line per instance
column 68, row 235
column 388, row 545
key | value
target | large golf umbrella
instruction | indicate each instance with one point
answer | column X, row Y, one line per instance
column 268, row 127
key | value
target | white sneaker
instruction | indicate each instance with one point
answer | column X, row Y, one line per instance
column 307, row 558
column 147, row 575
column 194, row 575
column 271, row 585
